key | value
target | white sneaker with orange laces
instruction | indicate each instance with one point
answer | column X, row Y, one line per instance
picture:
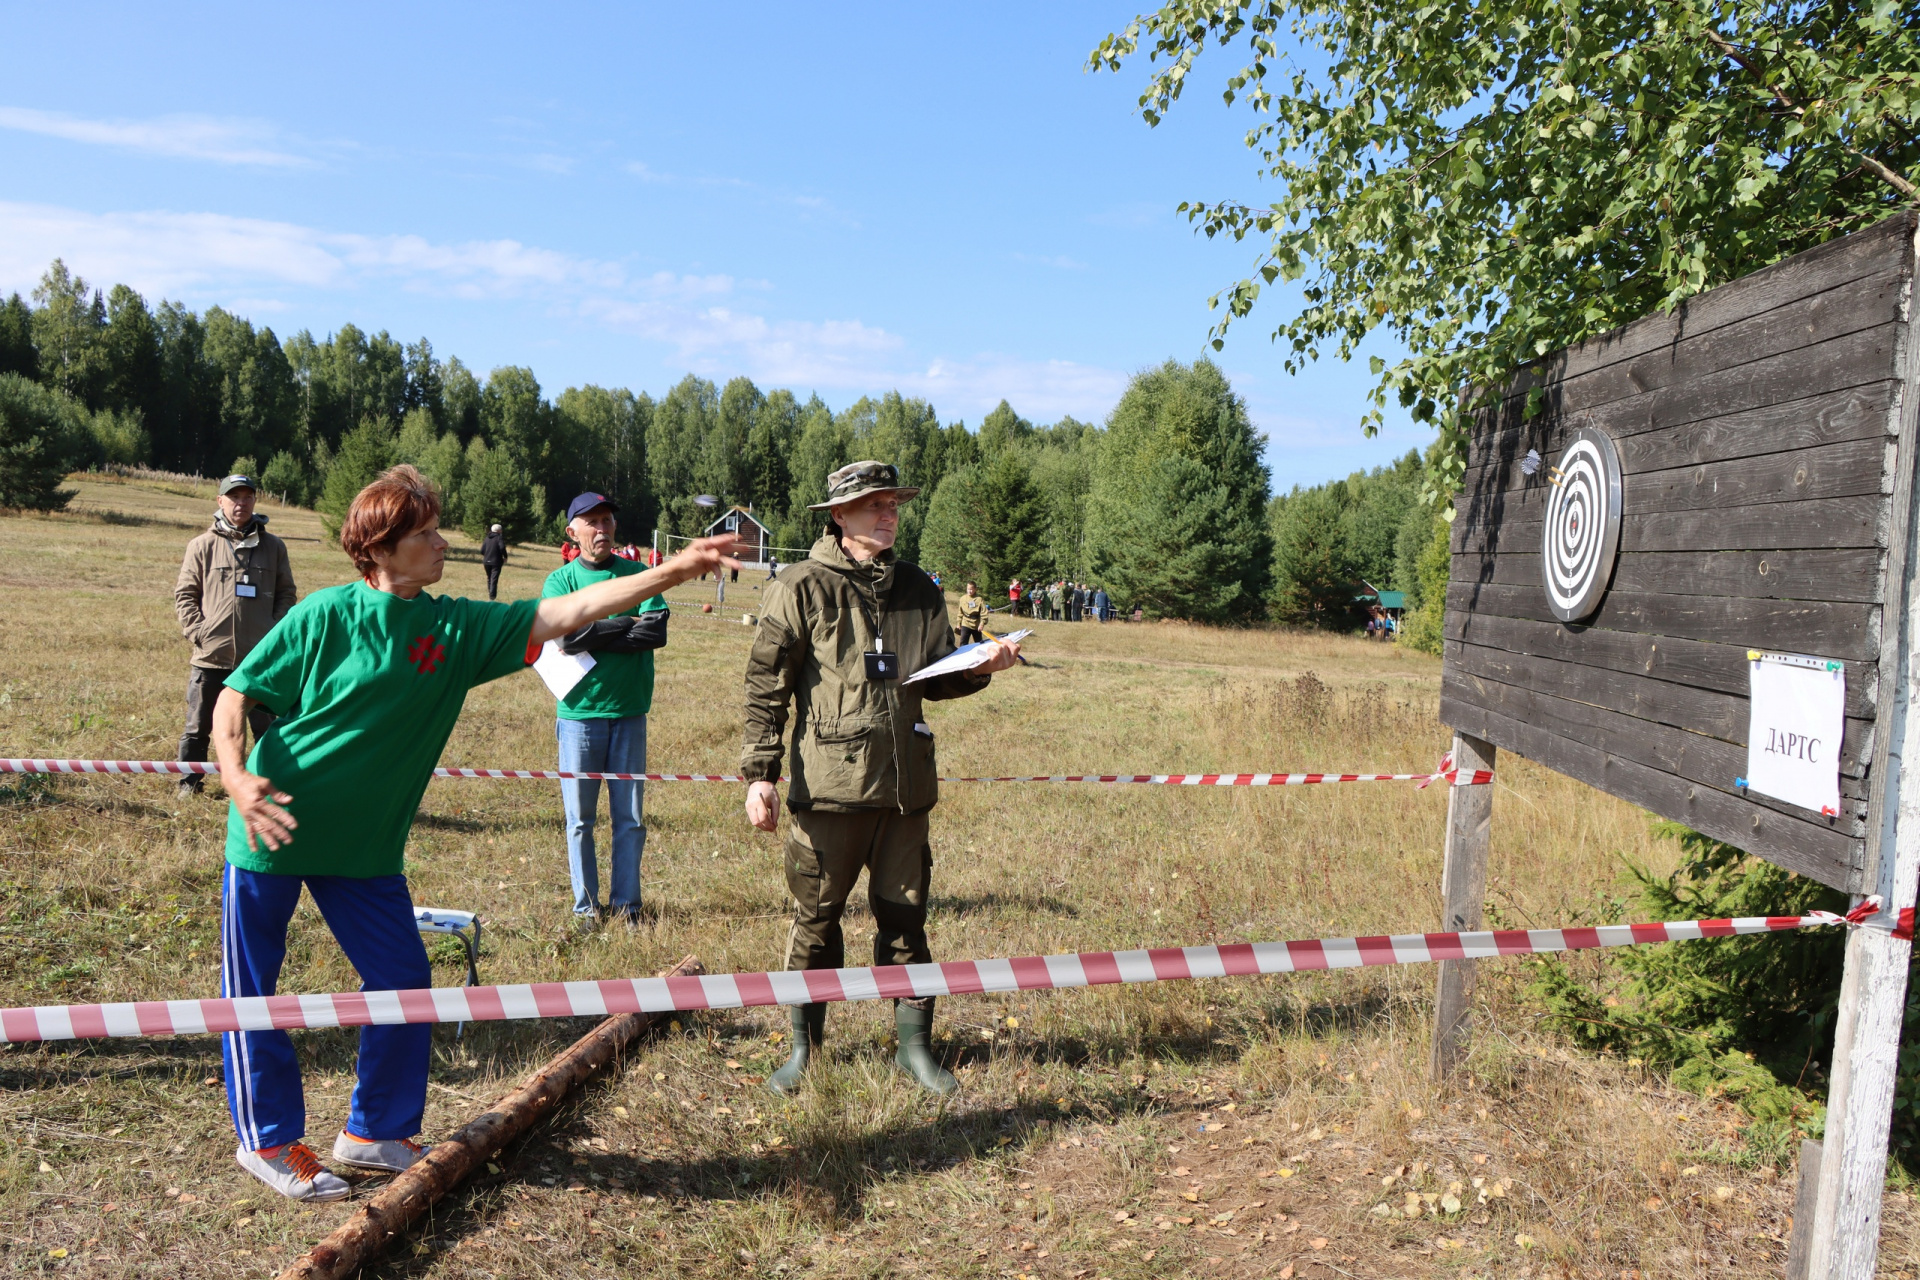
column 294, row 1171
column 388, row 1155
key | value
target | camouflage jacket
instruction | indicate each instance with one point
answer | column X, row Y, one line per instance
column 857, row 743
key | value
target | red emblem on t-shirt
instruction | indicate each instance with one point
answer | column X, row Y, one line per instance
column 426, row 654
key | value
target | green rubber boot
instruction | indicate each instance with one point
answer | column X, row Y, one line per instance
column 809, row 1028
column 915, row 1054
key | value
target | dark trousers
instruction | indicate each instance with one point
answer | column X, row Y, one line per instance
column 826, row 853
column 203, row 690
column 493, row 581
column 969, row 635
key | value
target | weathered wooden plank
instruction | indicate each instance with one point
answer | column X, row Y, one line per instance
column 1838, row 264
column 1855, row 360
column 1830, row 522
column 1858, row 359
column 1827, row 856
column 1661, row 705
column 1827, row 628
column 1721, row 667
column 1853, row 413
column 1851, row 574
column 1785, row 331
column 1705, row 762
column 1843, row 470
column 1702, row 712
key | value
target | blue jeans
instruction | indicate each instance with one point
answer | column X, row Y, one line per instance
column 373, row 921
column 604, row 746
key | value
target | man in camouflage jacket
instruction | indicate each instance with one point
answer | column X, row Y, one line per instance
column 837, row 634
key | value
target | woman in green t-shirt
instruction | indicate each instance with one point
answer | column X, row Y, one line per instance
column 368, row 680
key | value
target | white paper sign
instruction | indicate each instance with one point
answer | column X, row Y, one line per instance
column 561, row 670
column 1796, row 719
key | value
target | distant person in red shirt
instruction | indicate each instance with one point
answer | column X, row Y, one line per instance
column 1013, row 596
column 568, row 551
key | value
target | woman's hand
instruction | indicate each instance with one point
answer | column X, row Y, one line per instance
column 763, row 805
column 259, row 805
column 1005, row 654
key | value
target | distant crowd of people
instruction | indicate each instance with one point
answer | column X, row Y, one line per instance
column 1061, row 601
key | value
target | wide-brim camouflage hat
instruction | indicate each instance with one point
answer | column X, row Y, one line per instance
column 858, row 479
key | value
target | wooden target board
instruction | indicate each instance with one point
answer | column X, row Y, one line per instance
column 1735, row 476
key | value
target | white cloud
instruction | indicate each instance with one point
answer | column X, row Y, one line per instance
column 208, row 254
column 186, row 137
column 162, row 252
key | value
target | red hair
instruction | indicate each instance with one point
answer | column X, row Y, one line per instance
column 399, row 502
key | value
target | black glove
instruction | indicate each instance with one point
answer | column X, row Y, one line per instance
column 647, row 630
column 619, row 635
column 596, row 636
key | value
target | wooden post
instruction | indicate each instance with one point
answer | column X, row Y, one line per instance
column 1463, row 888
column 1805, row 1193
column 1845, row 1241
column 1873, row 993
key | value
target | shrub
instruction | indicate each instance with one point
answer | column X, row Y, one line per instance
column 1749, row 1018
column 42, row 435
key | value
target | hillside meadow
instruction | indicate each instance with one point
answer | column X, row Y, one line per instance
column 1235, row 1128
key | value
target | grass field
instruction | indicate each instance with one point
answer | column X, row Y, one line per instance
column 1239, row 1128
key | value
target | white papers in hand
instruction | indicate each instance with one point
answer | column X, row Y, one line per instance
column 561, row 670
column 965, row 658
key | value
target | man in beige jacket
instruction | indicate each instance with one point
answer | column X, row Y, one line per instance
column 234, row 584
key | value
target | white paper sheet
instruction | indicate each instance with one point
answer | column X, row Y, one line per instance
column 1797, row 715
column 965, row 658
column 560, row 670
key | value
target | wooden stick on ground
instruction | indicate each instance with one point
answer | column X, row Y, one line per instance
column 360, row 1238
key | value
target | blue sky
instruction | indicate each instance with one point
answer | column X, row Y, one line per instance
column 831, row 198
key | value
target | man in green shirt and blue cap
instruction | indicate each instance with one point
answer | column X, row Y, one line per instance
column 601, row 724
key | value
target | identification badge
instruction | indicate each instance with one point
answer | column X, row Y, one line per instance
column 882, row 666
column 246, row 589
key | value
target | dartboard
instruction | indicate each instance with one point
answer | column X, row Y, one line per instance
column 1583, row 525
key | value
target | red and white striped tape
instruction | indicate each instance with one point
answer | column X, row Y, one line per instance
column 1458, row 777
column 960, row 977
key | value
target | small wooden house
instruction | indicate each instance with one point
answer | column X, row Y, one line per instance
column 756, row 540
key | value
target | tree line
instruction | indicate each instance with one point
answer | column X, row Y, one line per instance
column 1165, row 504
column 1373, row 527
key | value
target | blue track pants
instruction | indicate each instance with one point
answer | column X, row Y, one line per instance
column 373, row 922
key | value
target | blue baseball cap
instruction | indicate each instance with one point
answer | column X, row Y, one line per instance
column 587, row 502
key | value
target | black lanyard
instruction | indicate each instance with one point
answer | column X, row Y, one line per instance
column 880, row 664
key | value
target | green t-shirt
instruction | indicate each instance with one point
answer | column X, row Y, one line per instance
column 620, row 684
column 374, row 684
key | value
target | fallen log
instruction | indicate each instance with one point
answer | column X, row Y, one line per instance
column 360, row 1238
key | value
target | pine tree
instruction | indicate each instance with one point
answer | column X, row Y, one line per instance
column 364, row 453
column 496, row 492
column 40, row 432
column 987, row 523
column 17, row 352
column 1190, row 412
column 1176, row 566
column 1313, row 567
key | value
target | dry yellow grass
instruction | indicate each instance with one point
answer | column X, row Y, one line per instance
column 1101, row 1133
